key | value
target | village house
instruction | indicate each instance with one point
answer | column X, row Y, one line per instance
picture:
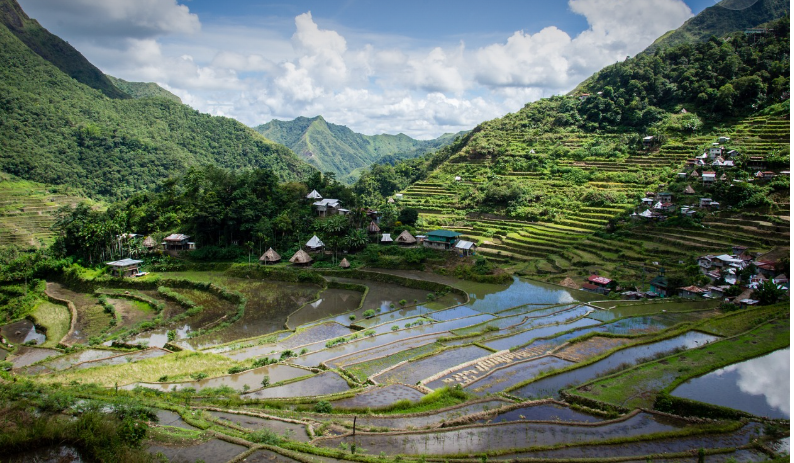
column 386, row 239
column 647, row 141
column 709, row 203
column 326, row 207
column 732, row 154
column 723, row 139
column 647, row 202
column 269, row 257
column 301, row 258
column 709, row 176
column 597, row 284
column 177, row 242
column 405, row 239
column 124, row 267
column 756, row 163
column 665, row 207
column 681, row 175
column 715, row 150
column 441, row 239
column 666, row 197
column 689, row 190
column 659, row 284
column 765, row 175
column 692, row 292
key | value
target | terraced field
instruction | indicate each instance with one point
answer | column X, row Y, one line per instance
column 27, row 211
column 447, row 387
column 567, row 245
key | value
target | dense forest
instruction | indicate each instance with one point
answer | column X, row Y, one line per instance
column 56, row 130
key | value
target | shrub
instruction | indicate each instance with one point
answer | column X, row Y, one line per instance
column 266, row 381
column 323, row 406
column 198, row 376
column 287, row 354
column 264, row 436
column 395, row 328
column 352, row 317
column 368, row 313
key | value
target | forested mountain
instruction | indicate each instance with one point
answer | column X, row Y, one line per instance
column 336, row 148
column 55, row 50
column 57, row 130
column 722, row 19
column 142, row 89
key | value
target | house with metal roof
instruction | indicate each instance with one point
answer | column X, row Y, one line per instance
column 465, row 248
column 124, row 267
column 441, row 239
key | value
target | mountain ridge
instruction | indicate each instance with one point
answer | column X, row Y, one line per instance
column 338, row 149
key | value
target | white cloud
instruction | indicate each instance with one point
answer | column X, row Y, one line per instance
column 256, row 71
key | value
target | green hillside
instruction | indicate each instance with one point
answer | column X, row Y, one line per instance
column 56, row 130
column 143, row 89
column 722, row 19
column 550, row 188
column 336, row 148
column 55, row 50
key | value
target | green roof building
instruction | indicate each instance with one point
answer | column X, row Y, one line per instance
column 441, row 239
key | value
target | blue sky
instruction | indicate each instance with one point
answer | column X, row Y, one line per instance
column 420, row 68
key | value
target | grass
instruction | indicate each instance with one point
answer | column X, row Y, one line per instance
column 638, row 387
column 178, row 367
column 55, row 319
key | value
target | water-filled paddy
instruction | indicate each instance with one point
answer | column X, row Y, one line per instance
column 159, row 337
column 398, row 314
column 293, row 431
column 382, row 352
column 549, row 386
column 310, row 335
column 412, row 372
column 131, row 312
column 482, row 438
column 92, row 319
column 377, row 397
column 211, row 450
column 21, row 332
column 327, row 382
column 249, row 379
column 527, row 321
column 428, row 418
column 47, row 454
column 455, row 312
column 759, row 386
column 501, row 379
column 360, row 345
column 543, row 412
column 733, row 439
column 542, row 332
column 331, row 302
column 25, row 356
column 493, row 298
column 620, row 310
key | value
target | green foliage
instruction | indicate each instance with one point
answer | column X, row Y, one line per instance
column 58, row 131
column 369, row 313
column 323, row 406
column 768, row 293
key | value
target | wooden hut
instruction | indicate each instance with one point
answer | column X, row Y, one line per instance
column 405, row 238
column 301, row 258
column 386, row 239
column 149, row 243
column 373, row 227
column 689, row 190
column 344, row 263
column 270, row 257
column 124, row 267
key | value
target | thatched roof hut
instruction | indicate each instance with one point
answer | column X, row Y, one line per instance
column 149, row 242
column 270, row 256
column 301, row 258
column 373, row 227
column 344, row 263
column 689, row 190
column 405, row 238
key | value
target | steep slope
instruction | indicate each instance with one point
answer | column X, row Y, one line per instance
column 336, row 148
column 143, row 89
column 56, row 130
column 722, row 19
column 550, row 188
column 55, row 50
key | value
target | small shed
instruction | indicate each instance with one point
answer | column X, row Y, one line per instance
column 314, row 244
column 344, row 263
column 390, row 201
column 689, row 190
column 270, row 257
column 659, row 285
column 124, row 267
column 314, row 195
column 405, row 238
column 301, row 258
column 386, row 239
column 373, row 227
column 465, row 248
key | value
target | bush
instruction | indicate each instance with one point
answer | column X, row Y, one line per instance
column 264, row 436
column 266, row 381
column 323, row 406
column 368, row 313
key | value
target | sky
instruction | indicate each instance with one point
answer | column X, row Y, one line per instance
column 422, row 68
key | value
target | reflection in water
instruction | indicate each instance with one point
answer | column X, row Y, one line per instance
column 759, row 386
column 493, row 298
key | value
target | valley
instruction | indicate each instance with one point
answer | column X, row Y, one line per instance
column 601, row 275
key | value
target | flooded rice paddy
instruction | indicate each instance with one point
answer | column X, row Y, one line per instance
column 510, row 435
column 550, row 386
column 412, row 372
column 311, row 335
column 249, row 379
column 542, row 412
column 25, row 356
column 503, row 378
column 331, row 302
column 524, row 337
column 211, row 450
column 327, row 382
column 433, row 418
column 759, row 386
column 378, row 397
column 293, row 431
column 22, row 332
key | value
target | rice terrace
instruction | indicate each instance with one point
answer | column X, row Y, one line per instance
column 601, row 275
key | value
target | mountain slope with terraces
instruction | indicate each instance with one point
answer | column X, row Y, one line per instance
column 551, row 188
